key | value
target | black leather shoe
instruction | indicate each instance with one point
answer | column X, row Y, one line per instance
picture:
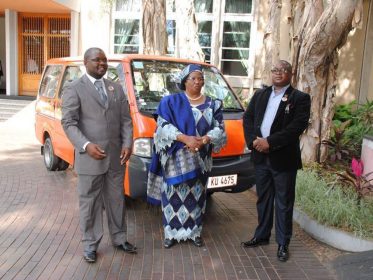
column 90, row 256
column 283, row 253
column 254, row 242
column 198, row 241
column 128, row 248
column 168, row 243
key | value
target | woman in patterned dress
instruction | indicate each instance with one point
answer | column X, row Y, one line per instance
column 189, row 127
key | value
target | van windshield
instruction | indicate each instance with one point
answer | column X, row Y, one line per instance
column 154, row 79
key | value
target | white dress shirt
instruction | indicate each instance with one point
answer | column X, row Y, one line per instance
column 271, row 110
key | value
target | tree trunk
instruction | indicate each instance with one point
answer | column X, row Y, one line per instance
column 316, row 37
column 154, row 31
column 306, row 14
column 272, row 40
column 187, row 45
column 316, row 70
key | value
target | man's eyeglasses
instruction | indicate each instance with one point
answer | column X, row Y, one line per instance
column 279, row 71
column 98, row 60
column 195, row 79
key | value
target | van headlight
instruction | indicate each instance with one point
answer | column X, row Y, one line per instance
column 142, row 147
column 246, row 150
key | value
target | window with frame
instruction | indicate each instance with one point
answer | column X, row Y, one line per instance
column 235, row 47
column 204, row 10
column 238, row 6
column 127, row 16
column 204, row 38
column 231, row 51
column 126, row 36
column 128, row 5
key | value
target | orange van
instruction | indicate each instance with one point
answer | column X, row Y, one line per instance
column 145, row 80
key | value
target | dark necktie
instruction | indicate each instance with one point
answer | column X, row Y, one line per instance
column 98, row 85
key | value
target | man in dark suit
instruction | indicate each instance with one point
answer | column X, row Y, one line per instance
column 97, row 121
column 273, row 122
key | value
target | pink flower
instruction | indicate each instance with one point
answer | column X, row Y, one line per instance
column 357, row 167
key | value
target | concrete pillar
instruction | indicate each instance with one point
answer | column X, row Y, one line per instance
column 95, row 25
column 365, row 91
column 11, row 50
column 75, row 27
column 367, row 156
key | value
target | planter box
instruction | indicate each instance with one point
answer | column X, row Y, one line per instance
column 336, row 238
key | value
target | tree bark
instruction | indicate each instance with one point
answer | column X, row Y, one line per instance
column 154, row 31
column 271, row 40
column 316, row 70
column 306, row 13
column 187, row 45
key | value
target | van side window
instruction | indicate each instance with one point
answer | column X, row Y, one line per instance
column 49, row 83
column 71, row 74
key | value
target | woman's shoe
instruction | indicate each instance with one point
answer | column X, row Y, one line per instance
column 198, row 241
column 168, row 243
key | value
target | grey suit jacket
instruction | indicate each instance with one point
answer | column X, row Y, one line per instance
column 86, row 118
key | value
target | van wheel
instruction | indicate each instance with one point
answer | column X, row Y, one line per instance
column 51, row 161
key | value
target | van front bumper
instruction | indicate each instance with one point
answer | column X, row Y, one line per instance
column 241, row 165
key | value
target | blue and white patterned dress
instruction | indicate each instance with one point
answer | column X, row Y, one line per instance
column 184, row 202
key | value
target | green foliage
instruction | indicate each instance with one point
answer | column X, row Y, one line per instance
column 327, row 202
column 351, row 122
column 338, row 144
column 364, row 114
column 336, row 194
column 344, row 112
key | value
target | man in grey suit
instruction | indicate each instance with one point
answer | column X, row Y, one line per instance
column 96, row 119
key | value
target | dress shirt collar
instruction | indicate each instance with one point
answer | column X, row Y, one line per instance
column 281, row 91
column 94, row 79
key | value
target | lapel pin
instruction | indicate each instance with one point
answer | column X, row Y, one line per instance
column 111, row 88
column 287, row 109
column 284, row 98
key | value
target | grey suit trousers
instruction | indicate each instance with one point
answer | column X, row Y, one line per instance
column 95, row 193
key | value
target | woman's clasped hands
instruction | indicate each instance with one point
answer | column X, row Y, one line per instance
column 193, row 143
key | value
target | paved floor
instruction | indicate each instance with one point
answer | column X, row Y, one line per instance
column 40, row 238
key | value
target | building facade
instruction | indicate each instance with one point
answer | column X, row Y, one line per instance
column 230, row 33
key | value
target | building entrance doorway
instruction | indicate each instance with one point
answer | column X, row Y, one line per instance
column 41, row 37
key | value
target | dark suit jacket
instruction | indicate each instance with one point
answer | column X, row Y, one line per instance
column 86, row 118
column 290, row 121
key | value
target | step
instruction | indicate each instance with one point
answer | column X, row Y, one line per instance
column 11, row 110
column 13, row 106
column 7, row 114
column 12, row 102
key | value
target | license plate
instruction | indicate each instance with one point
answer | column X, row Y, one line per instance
column 222, row 181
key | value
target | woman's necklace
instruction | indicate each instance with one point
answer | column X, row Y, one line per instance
column 194, row 99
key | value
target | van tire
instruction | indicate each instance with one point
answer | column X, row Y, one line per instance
column 51, row 161
column 63, row 165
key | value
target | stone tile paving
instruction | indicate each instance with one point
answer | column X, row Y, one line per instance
column 40, row 237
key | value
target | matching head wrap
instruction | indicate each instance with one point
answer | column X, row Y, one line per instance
column 185, row 73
